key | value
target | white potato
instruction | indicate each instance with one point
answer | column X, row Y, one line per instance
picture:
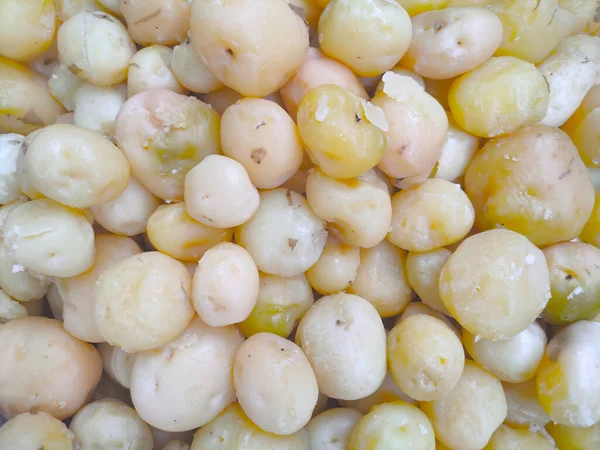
column 457, row 152
column 423, row 271
column 156, row 21
column 97, row 107
column 10, row 152
column 20, row 283
column 585, row 44
column 150, row 68
column 36, row 430
column 117, row 363
column 63, row 85
column 331, row 429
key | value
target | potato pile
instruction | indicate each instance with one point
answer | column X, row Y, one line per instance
column 300, row 224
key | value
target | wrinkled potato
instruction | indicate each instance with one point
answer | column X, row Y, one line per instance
column 331, row 429
column 156, row 21
column 36, row 430
column 44, row 368
column 150, row 68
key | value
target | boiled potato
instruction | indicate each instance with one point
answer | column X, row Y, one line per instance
column 591, row 229
column 191, row 71
column 117, row 363
column 571, row 438
column 10, row 309
column 96, row 107
column 585, row 44
column 506, row 438
column 150, row 68
column 20, row 283
column 36, row 430
column 63, row 85
column 457, row 152
column 524, row 409
column 331, row 429
column 423, row 271
column 156, row 21
column 11, row 151
column 415, row 7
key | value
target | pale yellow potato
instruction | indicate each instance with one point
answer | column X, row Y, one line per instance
column 63, row 85
column 524, row 409
column 284, row 237
column 416, row 308
column 358, row 211
column 111, row 5
column 233, row 430
column 585, row 44
column 45, row 63
column 117, row 363
column 583, row 11
column 69, row 8
column 495, row 284
column 49, row 238
column 176, row 445
column 343, row 133
column 331, row 429
column 27, row 28
column 457, row 152
column 423, row 271
column 129, row 213
column 532, row 182
column 124, row 291
column 96, row 47
column 571, row 438
column 335, row 269
column 470, row 414
column 97, row 107
column 11, row 151
column 218, row 193
column 156, row 21
column 36, row 430
column 515, row 360
column 381, row 279
column 44, row 368
column 498, row 97
column 5, row 210
column 449, row 42
column 532, row 29
column 11, row 309
column 263, row 138
column 393, row 426
column 162, row 437
column 568, row 381
column 110, row 423
column 228, row 35
column 187, row 382
column 191, row 71
column 318, row 70
column 150, row 68
column 55, row 302
column 225, row 285
column 417, row 127
column 164, row 135
column 282, row 301
column 75, row 166
column 25, row 102
column 425, row 356
column 344, row 340
column 368, row 36
column 222, row 99
column 274, row 383
column 585, row 137
column 77, row 292
column 505, row 438
column 414, row 7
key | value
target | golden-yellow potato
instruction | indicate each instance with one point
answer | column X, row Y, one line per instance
column 524, row 409
column 36, row 430
column 532, row 182
column 335, row 269
column 163, row 22
column 495, row 284
column 498, row 97
column 191, row 71
column 44, row 368
column 571, row 438
column 505, row 438
column 331, row 429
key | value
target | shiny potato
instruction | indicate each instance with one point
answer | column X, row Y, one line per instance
column 585, row 44
column 572, row 438
column 156, row 21
column 20, row 283
column 457, row 152
column 63, row 85
column 505, row 437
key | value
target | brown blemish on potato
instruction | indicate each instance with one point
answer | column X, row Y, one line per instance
column 258, row 154
column 288, row 195
column 149, row 17
column 438, row 26
column 292, row 243
column 74, row 69
column 31, row 118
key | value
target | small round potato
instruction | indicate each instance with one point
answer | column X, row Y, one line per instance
column 532, row 182
column 591, row 230
column 495, row 284
column 232, row 430
column 161, row 437
column 431, row 215
column 393, row 426
column 343, row 133
column 49, row 238
column 77, row 292
column 69, row 8
column 423, row 272
column 186, row 383
column 96, row 47
column 150, row 68
column 20, row 283
column 63, row 85
column 219, row 193
column 34, row 431
column 191, row 71
column 156, row 21
column 282, row 302
column 568, row 382
column 225, row 285
column 336, row 268
column 505, row 437
column 469, row 415
column 572, row 438
column 97, row 107
column 516, row 359
column 582, row 43
column 172, row 231
column 498, row 97
column 25, row 101
column 416, row 308
column 358, row 211
column 318, row 70
column 457, row 152
column 124, row 291
column 331, row 429
column 381, row 279
column 164, row 135
column 263, row 138
column 129, row 213
column 44, row 368
column 344, row 340
column 252, row 50
column 117, row 363
column 10, row 152
column 10, row 309
column 425, row 356
column 109, row 423
column 524, row 409
column 274, row 383
column 75, row 166
column 574, row 282
column 284, row 237
column 448, row 43
column 417, row 128
column 368, row 36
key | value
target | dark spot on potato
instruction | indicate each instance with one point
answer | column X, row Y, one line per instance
column 537, row 5
column 281, row 349
column 553, row 14
column 459, row 43
column 288, row 195
column 31, row 118
column 149, row 17
column 136, row 65
column 258, row 154
column 548, row 86
column 569, row 277
column 262, row 124
column 101, row 15
column 230, row 51
column 357, row 118
column 74, row 69
column 292, row 243
column 597, row 15
column 438, row 26
column 339, row 322
column 564, row 174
